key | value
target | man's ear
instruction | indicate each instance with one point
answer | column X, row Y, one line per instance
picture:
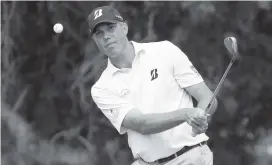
column 125, row 27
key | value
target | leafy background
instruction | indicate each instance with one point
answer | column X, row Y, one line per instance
column 49, row 118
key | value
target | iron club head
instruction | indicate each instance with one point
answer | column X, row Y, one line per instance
column 231, row 45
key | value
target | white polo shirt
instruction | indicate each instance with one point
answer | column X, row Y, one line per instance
column 155, row 84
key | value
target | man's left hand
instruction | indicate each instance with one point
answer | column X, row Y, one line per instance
column 200, row 125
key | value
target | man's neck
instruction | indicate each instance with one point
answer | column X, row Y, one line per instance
column 125, row 59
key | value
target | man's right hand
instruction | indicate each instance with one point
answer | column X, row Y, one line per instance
column 197, row 118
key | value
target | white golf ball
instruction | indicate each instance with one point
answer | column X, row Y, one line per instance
column 58, row 28
column 233, row 39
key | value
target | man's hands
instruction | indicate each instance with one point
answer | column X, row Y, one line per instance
column 197, row 118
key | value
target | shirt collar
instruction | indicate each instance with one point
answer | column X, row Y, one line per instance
column 138, row 49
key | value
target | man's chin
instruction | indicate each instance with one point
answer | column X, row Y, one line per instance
column 113, row 54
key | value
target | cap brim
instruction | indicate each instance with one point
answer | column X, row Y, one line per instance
column 103, row 21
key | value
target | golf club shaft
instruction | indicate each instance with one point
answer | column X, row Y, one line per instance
column 220, row 84
column 217, row 90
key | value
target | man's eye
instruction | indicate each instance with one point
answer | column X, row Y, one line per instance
column 111, row 27
column 98, row 33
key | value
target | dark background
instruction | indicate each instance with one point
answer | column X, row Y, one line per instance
column 48, row 116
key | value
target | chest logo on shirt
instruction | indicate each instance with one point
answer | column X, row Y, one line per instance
column 124, row 92
column 154, row 74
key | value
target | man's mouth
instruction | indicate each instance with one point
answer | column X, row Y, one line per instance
column 109, row 44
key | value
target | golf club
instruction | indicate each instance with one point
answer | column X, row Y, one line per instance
column 231, row 45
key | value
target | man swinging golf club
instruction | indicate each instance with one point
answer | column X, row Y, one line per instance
column 146, row 91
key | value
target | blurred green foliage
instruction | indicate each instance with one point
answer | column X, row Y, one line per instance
column 46, row 78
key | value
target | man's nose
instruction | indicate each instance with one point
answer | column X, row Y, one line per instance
column 106, row 35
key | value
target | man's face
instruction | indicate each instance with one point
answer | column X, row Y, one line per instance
column 110, row 38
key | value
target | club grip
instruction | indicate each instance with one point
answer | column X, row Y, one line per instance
column 195, row 132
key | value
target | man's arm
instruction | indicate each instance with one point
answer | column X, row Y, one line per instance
column 125, row 116
column 155, row 123
column 189, row 79
column 202, row 94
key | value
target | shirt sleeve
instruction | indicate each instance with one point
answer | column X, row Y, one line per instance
column 113, row 107
column 184, row 72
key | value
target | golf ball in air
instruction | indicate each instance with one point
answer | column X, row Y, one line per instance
column 58, row 28
column 233, row 39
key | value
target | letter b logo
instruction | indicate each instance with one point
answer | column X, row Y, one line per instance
column 97, row 13
column 154, row 74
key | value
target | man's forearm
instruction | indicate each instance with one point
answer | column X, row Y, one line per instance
column 155, row 123
column 204, row 103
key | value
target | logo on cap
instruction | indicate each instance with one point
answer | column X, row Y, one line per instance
column 97, row 13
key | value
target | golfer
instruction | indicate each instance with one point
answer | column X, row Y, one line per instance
column 146, row 91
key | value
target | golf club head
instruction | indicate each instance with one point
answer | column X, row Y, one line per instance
column 231, row 45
